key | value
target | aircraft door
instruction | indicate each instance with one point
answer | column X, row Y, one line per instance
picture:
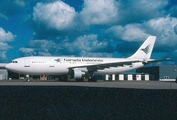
column 51, row 63
column 27, row 62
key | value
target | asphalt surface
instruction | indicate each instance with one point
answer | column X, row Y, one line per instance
column 103, row 84
column 102, row 100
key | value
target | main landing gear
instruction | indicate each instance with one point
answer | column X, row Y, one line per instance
column 27, row 78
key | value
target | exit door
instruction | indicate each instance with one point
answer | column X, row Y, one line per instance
column 51, row 62
column 27, row 62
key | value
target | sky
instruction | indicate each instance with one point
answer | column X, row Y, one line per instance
column 88, row 28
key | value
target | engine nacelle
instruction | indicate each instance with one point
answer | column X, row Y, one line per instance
column 77, row 74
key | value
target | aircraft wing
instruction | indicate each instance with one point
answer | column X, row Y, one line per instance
column 94, row 67
column 2, row 65
column 105, row 65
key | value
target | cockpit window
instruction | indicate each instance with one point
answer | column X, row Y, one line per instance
column 14, row 62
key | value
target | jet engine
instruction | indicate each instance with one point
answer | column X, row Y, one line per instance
column 77, row 73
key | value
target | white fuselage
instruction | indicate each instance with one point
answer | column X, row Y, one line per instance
column 61, row 65
column 82, row 66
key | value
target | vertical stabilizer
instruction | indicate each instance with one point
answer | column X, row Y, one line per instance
column 144, row 52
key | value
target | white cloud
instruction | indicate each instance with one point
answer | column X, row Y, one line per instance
column 3, row 16
column 149, row 5
column 106, row 12
column 91, row 54
column 131, row 32
column 4, row 46
column 173, row 11
column 85, row 42
column 6, row 36
column 27, row 50
column 175, row 28
column 33, row 52
column 39, row 47
column 57, row 15
column 20, row 2
column 140, row 10
column 89, row 43
column 44, row 54
column 99, row 12
column 163, row 28
column 86, row 45
column 3, row 55
column 42, row 44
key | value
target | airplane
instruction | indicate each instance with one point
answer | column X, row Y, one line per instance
column 81, row 68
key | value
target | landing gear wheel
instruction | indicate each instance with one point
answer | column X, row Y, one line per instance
column 27, row 78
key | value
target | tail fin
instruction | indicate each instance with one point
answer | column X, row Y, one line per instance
column 144, row 52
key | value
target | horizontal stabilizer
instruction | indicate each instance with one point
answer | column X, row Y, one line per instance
column 157, row 60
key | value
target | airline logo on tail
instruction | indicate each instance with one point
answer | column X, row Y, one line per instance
column 147, row 49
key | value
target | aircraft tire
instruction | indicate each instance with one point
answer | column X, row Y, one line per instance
column 27, row 80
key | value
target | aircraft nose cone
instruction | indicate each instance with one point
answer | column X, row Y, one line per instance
column 7, row 66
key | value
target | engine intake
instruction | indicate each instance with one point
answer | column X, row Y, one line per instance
column 77, row 74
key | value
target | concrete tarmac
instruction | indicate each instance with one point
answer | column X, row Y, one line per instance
column 100, row 83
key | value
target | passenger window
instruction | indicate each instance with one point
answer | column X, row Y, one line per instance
column 14, row 62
